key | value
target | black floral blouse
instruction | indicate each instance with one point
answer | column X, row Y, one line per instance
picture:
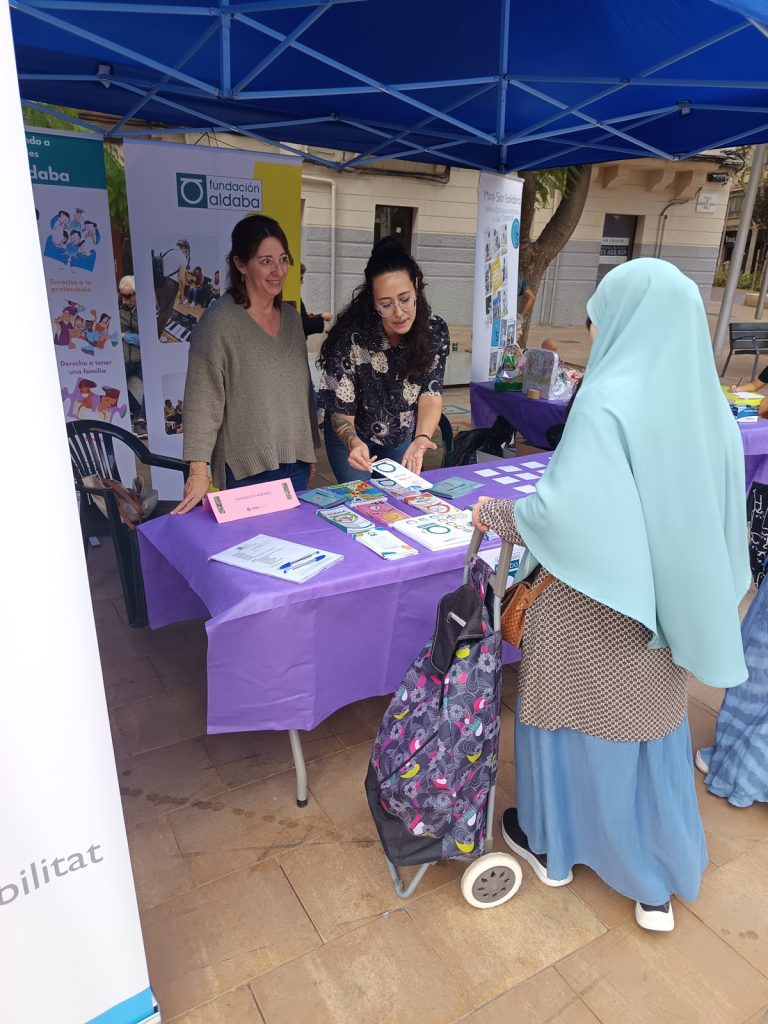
column 360, row 380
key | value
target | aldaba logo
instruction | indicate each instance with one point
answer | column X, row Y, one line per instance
column 48, row 174
column 209, row 192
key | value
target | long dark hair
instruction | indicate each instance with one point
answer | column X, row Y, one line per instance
column 417, row 350
column 247, row 236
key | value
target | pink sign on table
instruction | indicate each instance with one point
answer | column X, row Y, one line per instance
column 258, row 500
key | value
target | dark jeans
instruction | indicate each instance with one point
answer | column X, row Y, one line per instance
column 338, row 454
column 296, row 472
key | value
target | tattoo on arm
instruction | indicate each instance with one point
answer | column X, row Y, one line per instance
column 345, row 429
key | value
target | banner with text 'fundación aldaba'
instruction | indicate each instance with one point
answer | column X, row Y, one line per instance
column 183, row 202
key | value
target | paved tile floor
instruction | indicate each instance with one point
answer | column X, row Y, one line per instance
column 254, row 910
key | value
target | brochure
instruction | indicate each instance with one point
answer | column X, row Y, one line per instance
column 455, row 487
column 429, row 503
column 282, row 559
column 392, row 470
column 381, row 511
column 324, row 497
column 385, row 544
column 346, row 519
column 492, row 558
column 395, row 490
column 436, row 532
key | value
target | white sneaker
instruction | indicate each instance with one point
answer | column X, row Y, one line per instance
column 701, row 764
column 655, row 919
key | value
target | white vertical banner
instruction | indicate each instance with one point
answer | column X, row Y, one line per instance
column 70, row 189
column 494, row 309
column 70, row 938
column 183, row 202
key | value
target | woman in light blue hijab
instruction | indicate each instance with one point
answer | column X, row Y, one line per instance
column 640, row 518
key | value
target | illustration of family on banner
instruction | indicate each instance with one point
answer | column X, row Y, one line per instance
column 70, row 189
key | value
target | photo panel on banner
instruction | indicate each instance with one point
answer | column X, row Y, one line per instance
column 183, row 202
column 494, row 312
column 69, row 185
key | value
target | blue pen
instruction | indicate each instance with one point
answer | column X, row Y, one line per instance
column 301, row 561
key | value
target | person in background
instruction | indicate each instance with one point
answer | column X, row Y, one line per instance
column 313, row 323
column 525, row 297
column 382, row 364
column 175, row 263
column 755, row 385
column 246, row 402
column 129, row 333
column 602, row 743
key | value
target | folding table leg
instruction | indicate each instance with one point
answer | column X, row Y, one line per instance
column 302, row 798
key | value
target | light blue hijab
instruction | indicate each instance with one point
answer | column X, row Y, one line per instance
column 642, row 506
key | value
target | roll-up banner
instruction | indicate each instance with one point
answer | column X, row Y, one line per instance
column 494, row 311
column 183, row 202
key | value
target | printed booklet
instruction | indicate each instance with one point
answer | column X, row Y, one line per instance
column 282, row 559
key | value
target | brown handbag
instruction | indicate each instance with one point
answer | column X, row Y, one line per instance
column 516, row 603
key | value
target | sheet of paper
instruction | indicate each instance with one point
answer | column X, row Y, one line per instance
column 533, row 465
column 526, row 488
column 486, row 472
column 529, row 476
column 505, row 480
column 282, row 559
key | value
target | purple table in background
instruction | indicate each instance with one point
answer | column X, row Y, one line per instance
column 754, row 437
column 532, row 417
column 283, row 655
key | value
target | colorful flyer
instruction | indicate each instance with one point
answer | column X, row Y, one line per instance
column 455, row 487
column 381, row 511
column 392, row 470
column 428, row 503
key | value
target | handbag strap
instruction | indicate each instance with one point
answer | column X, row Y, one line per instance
column 124, row 495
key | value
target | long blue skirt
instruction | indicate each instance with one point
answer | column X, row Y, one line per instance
column 738, row 762
column 626, row 810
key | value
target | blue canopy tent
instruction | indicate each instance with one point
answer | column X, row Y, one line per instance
column 498, row 85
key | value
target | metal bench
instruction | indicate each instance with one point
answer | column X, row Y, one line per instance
column 747, row 339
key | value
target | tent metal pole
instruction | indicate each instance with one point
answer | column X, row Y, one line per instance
column 763, row 288
column 734, row 271
column 271, row 57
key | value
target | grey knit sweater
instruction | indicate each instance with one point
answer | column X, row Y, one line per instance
column 247, row 397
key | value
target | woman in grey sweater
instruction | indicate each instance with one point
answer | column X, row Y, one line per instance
column 246, row 402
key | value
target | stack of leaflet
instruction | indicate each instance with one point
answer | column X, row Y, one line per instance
column 392, row 471
column 381, row 511
column 438, row 532
column 337, row 494
column 282, row 559
column 431, row 503
column 455, row 487
column 346, row 519
column 385, row 544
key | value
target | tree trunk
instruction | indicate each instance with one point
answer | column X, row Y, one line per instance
column 536, row 256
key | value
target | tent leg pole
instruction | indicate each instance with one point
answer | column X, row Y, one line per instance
column 302, row 797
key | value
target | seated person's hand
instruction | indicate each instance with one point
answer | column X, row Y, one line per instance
column 478, row 525
column 327, row 317
column 195, row 489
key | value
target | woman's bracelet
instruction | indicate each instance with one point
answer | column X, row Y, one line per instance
column 422, row 435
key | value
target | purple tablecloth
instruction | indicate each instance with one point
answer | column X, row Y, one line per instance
column 283, row 655
column 532, row 417
column 754, row 437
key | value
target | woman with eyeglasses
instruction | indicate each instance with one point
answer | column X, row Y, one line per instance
column 383, row 364
column 247, row 397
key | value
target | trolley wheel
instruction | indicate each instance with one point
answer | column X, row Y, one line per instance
column 491, row 880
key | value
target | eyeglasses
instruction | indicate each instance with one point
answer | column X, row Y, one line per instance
column 127, row 295
column 386, row 309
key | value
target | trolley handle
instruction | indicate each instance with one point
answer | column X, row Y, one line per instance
column 499, row 579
